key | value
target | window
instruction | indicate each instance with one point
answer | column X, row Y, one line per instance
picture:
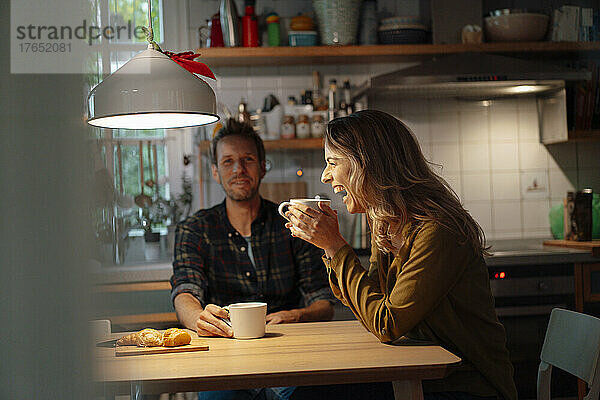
column 131, row 165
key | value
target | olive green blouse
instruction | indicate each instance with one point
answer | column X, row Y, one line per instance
column 436, row 290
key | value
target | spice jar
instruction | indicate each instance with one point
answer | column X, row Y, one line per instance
column 288, row 128
column 303, row 127
column 317, row 127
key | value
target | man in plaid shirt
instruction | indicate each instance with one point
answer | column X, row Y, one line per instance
column 241, row 251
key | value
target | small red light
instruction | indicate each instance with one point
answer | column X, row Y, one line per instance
column 496, row 275
column 502, row 275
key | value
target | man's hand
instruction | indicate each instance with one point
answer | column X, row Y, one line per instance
column 210, row 322
column 283, row 317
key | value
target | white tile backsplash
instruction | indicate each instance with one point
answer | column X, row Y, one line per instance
column 473, row 126
column 533, row 156
column 505, row 156
column 419, row 125
column 447, row 155
column 507, row 216
column 444, row 126
column 475, row 157
column 503, row 125
column 476, row 187
column 535, row 214
column 505, row 186
column 482, row 213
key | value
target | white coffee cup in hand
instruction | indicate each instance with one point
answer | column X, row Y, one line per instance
column 248, row 320
column 312, row 203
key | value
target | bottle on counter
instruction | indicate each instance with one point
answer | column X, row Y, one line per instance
column 303, row 127
column 319, row 102
column 332, row 95
column 273, row 30
column 243, row 114
column 216, row 34
column 288, row 128
column 249, row 28
column 346, row 106
column 307, row 97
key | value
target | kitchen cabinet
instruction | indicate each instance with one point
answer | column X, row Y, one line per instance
column 587, row 284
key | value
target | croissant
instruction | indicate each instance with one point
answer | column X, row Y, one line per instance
column 176, row 337
column 144, row 338
column 151, row 337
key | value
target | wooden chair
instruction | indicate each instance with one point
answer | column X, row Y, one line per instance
column 572, row 343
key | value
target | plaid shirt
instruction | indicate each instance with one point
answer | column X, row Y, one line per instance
column 212, row 262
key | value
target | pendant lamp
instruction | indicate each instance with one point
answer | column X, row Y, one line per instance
column 151, row 91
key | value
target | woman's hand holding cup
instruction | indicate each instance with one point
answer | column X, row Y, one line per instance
column 317, row 226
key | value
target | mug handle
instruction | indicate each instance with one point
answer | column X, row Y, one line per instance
column 281, row 207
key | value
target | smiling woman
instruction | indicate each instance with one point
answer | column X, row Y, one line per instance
column 427, row 279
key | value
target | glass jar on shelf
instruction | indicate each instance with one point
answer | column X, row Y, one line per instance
column 288, row 128
column 303, row 127
column 317, row 127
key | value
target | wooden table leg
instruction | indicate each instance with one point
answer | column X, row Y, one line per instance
column 408, row 390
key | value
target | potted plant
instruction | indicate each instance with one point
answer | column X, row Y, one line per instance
column 179, row 208
column 153, row 216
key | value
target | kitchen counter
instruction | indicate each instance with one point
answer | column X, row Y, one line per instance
column 532, row 251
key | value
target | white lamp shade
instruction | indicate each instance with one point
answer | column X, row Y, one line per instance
column 151, row 91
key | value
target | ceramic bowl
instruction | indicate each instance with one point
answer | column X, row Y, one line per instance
column 515, row 27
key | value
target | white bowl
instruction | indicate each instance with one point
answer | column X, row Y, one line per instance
column 525, row 27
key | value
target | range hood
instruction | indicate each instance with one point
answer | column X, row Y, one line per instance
column 475, row 76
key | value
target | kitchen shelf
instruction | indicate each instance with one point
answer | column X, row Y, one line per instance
column 249, row 56
column 281, row 144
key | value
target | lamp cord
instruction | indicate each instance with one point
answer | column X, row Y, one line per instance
column 148, row 31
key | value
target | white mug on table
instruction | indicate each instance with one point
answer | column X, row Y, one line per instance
column 248, row 320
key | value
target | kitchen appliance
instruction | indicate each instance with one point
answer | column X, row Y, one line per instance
column 524, row 297
column 474, row 76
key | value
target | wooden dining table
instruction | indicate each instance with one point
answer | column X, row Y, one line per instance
column 298, row 354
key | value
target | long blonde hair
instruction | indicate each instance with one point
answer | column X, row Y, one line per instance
column 392, row 180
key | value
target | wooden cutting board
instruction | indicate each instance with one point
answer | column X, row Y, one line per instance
column 593, row 246
column 195, row 345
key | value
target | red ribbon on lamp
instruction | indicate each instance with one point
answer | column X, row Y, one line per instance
column 186, row 60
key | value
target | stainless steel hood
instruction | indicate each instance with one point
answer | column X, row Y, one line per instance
column 475, row 76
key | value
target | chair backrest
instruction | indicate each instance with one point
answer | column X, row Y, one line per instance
column 572, row 344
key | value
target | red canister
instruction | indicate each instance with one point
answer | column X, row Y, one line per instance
column 249, row 28
column 216, row 35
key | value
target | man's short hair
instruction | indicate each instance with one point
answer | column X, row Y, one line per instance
column 236, row 128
